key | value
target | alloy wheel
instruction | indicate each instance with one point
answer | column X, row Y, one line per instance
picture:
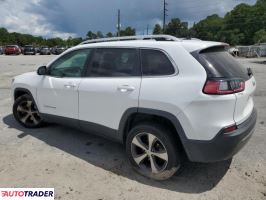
column 27, row 113
column 149, row 152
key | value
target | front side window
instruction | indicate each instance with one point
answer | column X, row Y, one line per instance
column 72, row 64
column 114, row 62
column 155, row 63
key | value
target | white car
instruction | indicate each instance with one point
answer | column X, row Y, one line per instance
column 160, row 96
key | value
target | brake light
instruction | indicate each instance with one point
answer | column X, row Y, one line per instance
column 221, row 87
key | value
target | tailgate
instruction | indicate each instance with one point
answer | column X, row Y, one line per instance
column 244, row 101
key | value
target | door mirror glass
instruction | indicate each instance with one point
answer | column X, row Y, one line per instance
column 42, row 70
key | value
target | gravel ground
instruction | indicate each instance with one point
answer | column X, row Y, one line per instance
column 82, row 166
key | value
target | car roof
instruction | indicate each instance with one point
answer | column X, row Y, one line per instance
column 189, row 45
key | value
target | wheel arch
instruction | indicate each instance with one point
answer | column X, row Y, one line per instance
column 135, row 115
column 21, row 91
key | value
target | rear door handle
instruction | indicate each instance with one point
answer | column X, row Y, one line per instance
column 126, row 88
column 69, row 85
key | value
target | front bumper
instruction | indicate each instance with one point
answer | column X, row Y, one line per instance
column 223, row 146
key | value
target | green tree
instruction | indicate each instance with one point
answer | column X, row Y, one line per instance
column 128, row 31
column 109, row 34
column 99, row 34
column 260, row 36
column 209, row 28
column 177, row 28
column 55, row 42
column 237, row 27
column 90, row 35
column 4, row 36
column 157, row 29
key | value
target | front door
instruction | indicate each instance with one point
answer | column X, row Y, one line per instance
column 57, row 93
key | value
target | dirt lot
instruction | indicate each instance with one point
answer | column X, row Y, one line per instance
column 81, row 166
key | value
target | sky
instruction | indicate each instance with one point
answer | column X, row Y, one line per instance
column 64, row 18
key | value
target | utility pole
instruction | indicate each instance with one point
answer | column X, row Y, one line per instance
column 118, row 23
column 164, row 14
column 147, row 29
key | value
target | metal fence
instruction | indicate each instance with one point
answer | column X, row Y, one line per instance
column 252, row 51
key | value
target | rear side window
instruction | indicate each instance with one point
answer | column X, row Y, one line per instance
column 155, row 63
column 220, row 64
column 114, row 62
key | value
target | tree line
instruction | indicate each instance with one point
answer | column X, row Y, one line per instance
column 244, row 25
column 25, row 39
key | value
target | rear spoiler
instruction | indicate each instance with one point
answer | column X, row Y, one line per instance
column 213, row 48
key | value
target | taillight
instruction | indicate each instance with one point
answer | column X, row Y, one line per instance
column 221, row 87
column 230, row 129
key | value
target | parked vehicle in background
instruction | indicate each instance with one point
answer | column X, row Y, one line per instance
column 12, row 49
column 37, row 49
column 29, row 50
column 164, row 100
column 59, row 50
column 234, row 51
column 1, row 50
column 52, row 50
column 45, row 50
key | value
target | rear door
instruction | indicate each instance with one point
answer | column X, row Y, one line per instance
column 110, row 88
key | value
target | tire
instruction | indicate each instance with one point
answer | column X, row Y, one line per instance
column 141, row 154
column 26, row 112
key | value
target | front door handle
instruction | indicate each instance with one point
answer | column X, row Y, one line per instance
column 126, row 88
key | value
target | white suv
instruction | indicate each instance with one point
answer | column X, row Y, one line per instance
column 160, row 96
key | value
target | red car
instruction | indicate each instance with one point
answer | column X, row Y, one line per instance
column 12, row 49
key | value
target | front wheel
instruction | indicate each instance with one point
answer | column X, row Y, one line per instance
column 26, row 112
column 153, row 151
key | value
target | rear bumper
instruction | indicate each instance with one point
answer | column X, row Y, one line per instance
column 223, row 146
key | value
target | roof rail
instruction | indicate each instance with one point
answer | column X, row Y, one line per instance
column 140, row 37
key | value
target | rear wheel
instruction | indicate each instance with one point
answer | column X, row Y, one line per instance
column 26, row 112
column 153, row 151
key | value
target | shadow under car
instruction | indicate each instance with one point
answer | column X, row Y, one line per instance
column 111, row 156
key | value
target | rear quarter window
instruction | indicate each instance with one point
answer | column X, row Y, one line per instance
column 218, row 63
column 155, row 63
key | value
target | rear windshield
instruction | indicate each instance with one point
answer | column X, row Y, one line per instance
column 220, row 64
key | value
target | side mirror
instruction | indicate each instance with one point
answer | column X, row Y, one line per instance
column 42, row 70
